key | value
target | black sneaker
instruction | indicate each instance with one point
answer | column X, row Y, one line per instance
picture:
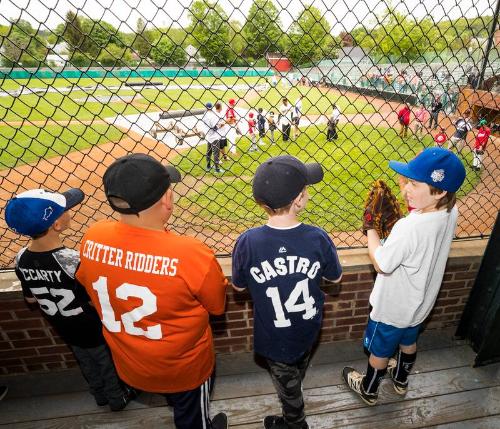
column 101, row 400
column 354, row 381
column 399, row 387
column 220, row 421
column 120, row 403
column 275, row 422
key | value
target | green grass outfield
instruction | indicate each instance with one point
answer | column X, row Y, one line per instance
column 65, row 106
column 351, row 164
column 27, row 144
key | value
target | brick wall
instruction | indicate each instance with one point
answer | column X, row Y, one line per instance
column 27, row 343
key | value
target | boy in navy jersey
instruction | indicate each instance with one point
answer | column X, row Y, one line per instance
column 282, row 264
column 46, row 270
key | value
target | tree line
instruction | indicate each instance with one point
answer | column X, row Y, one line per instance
column 222, row 41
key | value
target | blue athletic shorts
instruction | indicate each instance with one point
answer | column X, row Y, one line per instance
column 383, row 340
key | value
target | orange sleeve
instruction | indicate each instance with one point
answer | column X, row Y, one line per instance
column 212, row 293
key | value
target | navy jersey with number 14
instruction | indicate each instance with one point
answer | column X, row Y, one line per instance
column 282, row 269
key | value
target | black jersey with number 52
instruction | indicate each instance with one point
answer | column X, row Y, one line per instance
column 49, row 277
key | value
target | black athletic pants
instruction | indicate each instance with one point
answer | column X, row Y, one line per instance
column 98, row 369
column 191, row 407
column 286, row 132
column 213, row 148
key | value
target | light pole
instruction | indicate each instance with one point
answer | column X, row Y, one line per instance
column 488, row 47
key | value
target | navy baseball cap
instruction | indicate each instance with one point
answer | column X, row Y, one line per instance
column 279, row 180
column 209, row 105
column 435, row 166
column 33, row 212
column 139, row 180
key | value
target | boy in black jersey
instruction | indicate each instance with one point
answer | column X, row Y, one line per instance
column 46, row 270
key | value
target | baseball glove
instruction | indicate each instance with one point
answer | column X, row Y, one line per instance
column 382, row 209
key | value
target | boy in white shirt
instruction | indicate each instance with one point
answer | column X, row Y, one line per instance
column 411, row 265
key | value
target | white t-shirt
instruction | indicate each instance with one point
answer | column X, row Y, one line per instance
column 285, row 112
column 413, row 259
column 224, row 130
column 210, row 121
column 335, row 114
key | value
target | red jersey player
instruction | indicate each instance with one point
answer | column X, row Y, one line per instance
column 482, row 137
column 440, row 138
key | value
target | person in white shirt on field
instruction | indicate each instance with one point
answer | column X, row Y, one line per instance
column 285, row 117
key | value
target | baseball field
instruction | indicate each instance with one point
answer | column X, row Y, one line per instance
column 45, row 123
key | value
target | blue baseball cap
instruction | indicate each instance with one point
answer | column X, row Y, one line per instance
column 33, row 212
column 209, row 105
column 435, row 166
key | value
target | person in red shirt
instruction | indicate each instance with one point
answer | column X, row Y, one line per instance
column 404, row 120
column 440, row 138
column 251, row 131
column 232, row 121
column 480, row 143
column 154, row 291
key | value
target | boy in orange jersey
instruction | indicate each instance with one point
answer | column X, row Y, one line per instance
column 154, row 291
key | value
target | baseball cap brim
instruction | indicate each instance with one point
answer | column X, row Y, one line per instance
column 173, row 174
column 74, row 196
column 314, row 173
column 403, row 169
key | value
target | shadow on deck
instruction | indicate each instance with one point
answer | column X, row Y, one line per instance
column 445, row 392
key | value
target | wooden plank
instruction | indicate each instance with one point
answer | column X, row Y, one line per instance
column 419, row 413
column 330, row 374
column 324, row 403
column 343, row 351
column 226, row 387
column 490, row 422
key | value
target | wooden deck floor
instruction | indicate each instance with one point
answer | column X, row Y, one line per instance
column 445, row 393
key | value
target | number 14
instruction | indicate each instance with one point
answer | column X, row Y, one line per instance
column 301, row 288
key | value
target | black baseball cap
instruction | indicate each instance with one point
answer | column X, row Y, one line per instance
column 279, row 180
column 139, row 180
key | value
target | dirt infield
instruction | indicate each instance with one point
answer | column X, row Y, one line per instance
column 85, row 169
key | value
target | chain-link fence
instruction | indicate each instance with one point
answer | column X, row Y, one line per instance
column 83, row 83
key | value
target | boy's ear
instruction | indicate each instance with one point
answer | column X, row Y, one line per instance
column 168, row 199
column 56, row 226
column 439, row 195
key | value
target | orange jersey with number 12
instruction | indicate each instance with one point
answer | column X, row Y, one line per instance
column 154, row 291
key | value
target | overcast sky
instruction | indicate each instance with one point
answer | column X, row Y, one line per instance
column 341, row 14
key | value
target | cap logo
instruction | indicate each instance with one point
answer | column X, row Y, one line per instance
column 437, row 175
column 47, row 213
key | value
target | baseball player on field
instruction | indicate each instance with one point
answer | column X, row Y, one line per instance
column 480, row 143
column 282, row 264
column 411, row 264
column 46, row 270
column 154, row 291
column 463, row 125
column 232, row 121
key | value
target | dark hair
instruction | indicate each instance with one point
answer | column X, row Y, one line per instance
column 218, row 105
column 260, row 110
column 278, row 211
column 40, row 234
column 449, row 200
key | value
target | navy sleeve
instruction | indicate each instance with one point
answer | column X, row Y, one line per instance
column 240, row 260
column 332, row 268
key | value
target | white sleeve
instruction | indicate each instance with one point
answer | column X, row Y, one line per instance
column 395, row 249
